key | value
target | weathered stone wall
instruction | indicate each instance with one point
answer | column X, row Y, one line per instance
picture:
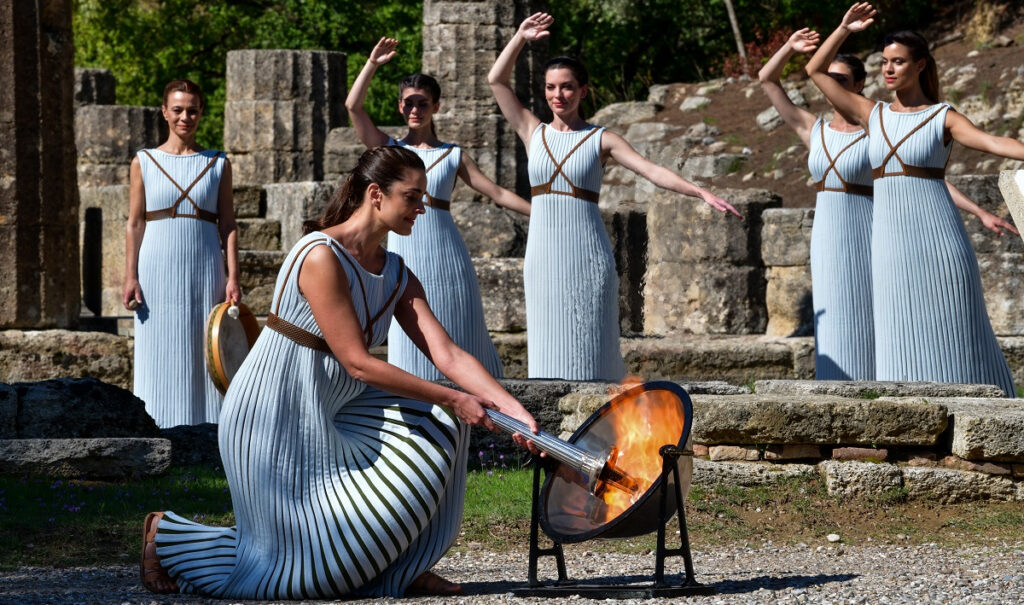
column 38, row 192
column 786, row 251
column 280, row 106
column 705, row 273
column 109, row 136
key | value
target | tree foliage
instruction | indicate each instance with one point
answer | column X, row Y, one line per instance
column 147, row 43
column 627, row 44
column 630, row 44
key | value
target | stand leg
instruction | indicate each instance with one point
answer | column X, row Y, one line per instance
column 670, row 464
column 536, row 552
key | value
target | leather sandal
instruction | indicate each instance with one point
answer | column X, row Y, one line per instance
column 429, row 583
column 154, row 576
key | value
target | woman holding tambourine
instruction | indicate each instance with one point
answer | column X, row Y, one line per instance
column 180, row 215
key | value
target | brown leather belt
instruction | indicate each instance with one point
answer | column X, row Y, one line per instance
column 577, row 192
column 853, row 188
column 436, row 202
column 908, row 170
column 296, row 334
column 203, row 215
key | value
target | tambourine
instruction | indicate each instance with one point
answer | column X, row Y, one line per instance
column 231, row 330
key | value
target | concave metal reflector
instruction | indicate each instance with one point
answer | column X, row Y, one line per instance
column 661, row 414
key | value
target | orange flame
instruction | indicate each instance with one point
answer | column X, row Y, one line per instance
column 654, row 418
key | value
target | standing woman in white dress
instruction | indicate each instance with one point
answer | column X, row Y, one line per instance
column 181, row 228
column 929, row 307
column 572, row 291
column 435, row 250
column 844, row 339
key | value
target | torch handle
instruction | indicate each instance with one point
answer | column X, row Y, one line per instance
column 563, row 451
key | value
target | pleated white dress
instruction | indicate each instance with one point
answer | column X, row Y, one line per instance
column 338, row 488
column 844, row 337
column 182, row 275
column 438, row 257
column 572, row 288
column 929, row 306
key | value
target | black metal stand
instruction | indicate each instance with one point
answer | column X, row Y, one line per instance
column 606, row 588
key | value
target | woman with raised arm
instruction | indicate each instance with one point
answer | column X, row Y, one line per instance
column 347, row 474
column 841, row 238
column 928, row 304
column 180, row 214
column 435, row 250
column 572, row 291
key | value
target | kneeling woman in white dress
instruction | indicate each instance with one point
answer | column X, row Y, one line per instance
column 347, row 474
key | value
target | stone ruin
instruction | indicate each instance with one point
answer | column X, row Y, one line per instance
column 702, row 296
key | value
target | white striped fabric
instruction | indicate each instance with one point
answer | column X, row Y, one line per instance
column 929, row 307
column 181, row 272
column 437, row 256
column 338, row 488
column 572, row 288
column 844, row 338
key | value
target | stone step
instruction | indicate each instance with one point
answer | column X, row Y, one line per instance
column 259, row 234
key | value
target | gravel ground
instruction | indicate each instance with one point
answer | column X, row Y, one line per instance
column 767, row 574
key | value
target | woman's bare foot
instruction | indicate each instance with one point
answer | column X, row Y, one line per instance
column 154, row 576
column 429, row 583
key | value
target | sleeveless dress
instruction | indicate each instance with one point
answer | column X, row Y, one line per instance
column 929, row 307
column 844, row 338
column 338, row 488
column 182, row 276
column 438, row 257
column 572, row 288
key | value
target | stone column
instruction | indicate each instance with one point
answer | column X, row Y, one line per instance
column 461, row 40
column 38, row 191
column 705, row 274
column 280, row 106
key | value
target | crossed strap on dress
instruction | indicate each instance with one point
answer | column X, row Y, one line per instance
column 923, row 172
column 577, row 192
column 436, row 202
column 172, row 212
column 308, row 339
column 845, row 187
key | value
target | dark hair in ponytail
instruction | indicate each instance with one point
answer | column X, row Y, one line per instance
column 422, row 82
column 929, row 78
column 579, row 71
column 855, row 64
column 384, row 166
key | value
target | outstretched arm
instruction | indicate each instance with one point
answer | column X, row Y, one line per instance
column 325, row 287
column 471, row 175
column 991, row 221
column 799, row 119
column 967, row 134
column 859, row 17
column 623, row 153
column 366, row 130
column 535, row 27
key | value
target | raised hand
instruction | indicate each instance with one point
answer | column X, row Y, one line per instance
column 804, row 40
column 383, row 51
column 535, row 27
column 859, row 17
